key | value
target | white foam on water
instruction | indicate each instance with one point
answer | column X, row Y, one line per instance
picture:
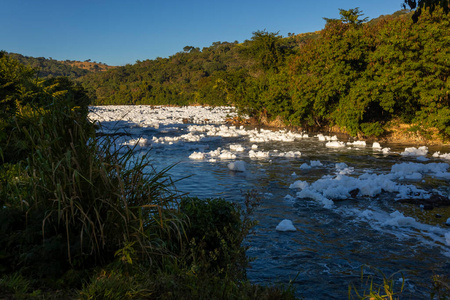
column 299, row 184
column 317, row 196
column 237, row 148
column 197, row 155
column 155, row 116
column 343, row 169
column 290, row 154
column 289, row 198
column 316, row 163
column 254, row 135
column 411, row 170
column 357, row 143
column 342, row 186
column 258, row 154
column 312, row 164
column 141, row 142
column 403, row 227
column 305, row 166
column 327, row 138
column 218, row 153
column 443, row 156
column 285, row 225
column 335, row 144
column 413, row 151
column 227, row 155
column 386, row 150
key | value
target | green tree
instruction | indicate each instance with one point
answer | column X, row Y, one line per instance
column 351, row 16
column 16, row 84
column 266, row 49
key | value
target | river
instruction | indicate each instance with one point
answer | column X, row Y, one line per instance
column 341, row 196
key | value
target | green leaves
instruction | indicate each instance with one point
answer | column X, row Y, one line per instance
column 362, row 77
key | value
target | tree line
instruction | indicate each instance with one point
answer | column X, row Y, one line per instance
column 355, row 74
column 359, row 75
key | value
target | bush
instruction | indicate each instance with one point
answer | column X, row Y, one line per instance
column 372, row 129
column 215, row 233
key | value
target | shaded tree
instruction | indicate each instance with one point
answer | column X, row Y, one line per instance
column 420, row 5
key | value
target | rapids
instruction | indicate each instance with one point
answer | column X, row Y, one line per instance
column 342, row 197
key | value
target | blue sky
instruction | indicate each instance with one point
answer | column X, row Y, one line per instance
column 121, row 32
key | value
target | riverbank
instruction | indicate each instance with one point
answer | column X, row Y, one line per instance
column 395, row 131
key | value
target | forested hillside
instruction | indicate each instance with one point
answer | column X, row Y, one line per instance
column 48, row 67
column 355, row 74
column 192, row 76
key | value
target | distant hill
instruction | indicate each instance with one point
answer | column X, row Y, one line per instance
column 48, row 67
column 88, row 65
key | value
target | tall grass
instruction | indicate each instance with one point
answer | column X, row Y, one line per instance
column 373, row 289
column 86, row 197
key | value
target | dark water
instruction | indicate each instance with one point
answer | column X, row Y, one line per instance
column 325, row 254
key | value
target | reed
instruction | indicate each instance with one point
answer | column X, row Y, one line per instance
column 91, row 198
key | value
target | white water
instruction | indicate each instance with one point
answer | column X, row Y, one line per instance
column 337, row 199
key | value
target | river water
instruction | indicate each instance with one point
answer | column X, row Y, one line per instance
column 341, row 197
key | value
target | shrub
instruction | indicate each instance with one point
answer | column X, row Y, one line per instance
column 215, row 233
column 112, row 285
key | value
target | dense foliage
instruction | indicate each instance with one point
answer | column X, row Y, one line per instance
column 212, row 75
column 361, row 77
column 358, row 75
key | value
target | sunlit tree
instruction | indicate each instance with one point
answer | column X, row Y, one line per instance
column 351, row 17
